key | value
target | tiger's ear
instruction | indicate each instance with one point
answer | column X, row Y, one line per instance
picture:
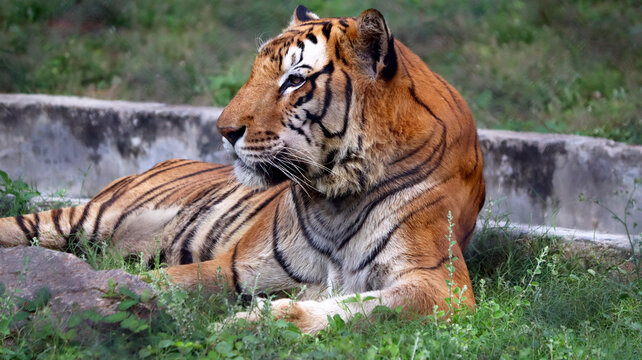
column 376, row 45
column 301, row 15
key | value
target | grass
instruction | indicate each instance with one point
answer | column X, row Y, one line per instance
column 569, row 67
column 536, row 298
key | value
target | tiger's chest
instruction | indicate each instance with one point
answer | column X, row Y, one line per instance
column 355, row 247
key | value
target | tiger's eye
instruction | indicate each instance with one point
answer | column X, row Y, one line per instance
column 295, row 79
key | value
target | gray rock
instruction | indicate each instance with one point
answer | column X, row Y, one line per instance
column 74, row 285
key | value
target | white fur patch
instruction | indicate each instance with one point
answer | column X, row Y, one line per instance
column 137, row 232
column 313, row 55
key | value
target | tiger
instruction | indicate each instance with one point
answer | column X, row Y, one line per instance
column 349, row 155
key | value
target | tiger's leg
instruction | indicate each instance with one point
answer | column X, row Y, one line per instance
column 50, row 229
column 64, row 229
column 417, row 289
column 213, row 275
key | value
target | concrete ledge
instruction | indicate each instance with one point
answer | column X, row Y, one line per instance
column 540, row 179
column 82, row 144
column 618, row 242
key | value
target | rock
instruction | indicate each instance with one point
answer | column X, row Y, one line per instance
column 73, row 284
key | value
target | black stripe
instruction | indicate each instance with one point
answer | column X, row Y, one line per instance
column 414, row 151
column 390, row 60
column 298, row 130
column 312, row 38
column 161, row 171
column 73, row 233
column 415, row 177
column 327, row 69
column 466, row 237
column 304, row 230
column 113, row 186
column 55, row 217
column 452, row 95
column 36, row 226
column 327, row 28
column 186, row 255
column 235, row 275
column 386, row 239
column 192, row 188
column 203, row 195
column 318, row 118
column 128, row 212
column 279, row 256
column 221, row 223
column 20, row 221
column 256, row 211
column 422, row 268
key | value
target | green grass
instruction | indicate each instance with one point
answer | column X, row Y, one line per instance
column 569, row 67
column 535, row 300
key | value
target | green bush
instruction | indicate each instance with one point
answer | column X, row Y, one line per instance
column 15, row 196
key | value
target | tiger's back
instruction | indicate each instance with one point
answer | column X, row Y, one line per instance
column 183, row 209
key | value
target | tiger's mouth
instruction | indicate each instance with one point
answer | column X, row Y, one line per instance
column 264, row 172
column 267, row 173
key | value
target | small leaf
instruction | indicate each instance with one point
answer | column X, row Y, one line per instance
column 223, row 347
column 19, row 316
column 92, row 315
column 126, row 304
column 124, row 290
column 74, row 320
column 146, row 296
column 591, row 271
column 42, row 297
column 291, row 335
column 143, row 353
column 131, row 323
column 117, row 317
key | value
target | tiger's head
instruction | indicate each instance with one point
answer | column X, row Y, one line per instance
column 323, row 106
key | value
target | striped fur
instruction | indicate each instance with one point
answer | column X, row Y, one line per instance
column 350, row 153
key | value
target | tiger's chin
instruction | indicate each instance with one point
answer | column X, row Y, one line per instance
column 260, row 177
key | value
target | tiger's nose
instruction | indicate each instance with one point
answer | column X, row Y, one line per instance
column 232, row 134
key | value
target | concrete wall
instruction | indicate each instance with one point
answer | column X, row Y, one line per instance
column 540, row 179
column 82, row 144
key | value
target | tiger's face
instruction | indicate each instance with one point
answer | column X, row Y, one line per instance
column 300, row 115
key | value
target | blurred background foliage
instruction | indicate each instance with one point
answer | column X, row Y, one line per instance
column 539, row 65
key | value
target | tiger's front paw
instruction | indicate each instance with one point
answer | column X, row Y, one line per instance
column 304, row 314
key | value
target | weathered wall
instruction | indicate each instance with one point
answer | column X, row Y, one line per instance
column 540, row 178
column 53, row 141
